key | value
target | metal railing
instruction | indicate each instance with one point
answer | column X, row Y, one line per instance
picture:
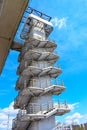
column 62, row 126
column 27, row 21
column 31, row 10
column 57, row 81
column 39, row 84
column 40, row 108
column 36, row 108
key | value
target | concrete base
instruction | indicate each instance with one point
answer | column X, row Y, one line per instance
column 45, row 124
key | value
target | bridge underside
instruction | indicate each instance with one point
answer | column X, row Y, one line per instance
column 11, row 12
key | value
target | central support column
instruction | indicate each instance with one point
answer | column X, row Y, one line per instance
column 43, row 81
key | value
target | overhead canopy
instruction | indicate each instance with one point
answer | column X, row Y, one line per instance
column 11, row 12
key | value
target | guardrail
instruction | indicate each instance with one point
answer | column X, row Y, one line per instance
column 62, row 127
column 39, row 83
column 36, row 108
column 46, row 82
column 40, row 108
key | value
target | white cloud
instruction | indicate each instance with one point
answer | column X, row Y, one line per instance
column 73, row 106
column 76, row 118
column 85, row 117
column 60, row 23
column 4, row 114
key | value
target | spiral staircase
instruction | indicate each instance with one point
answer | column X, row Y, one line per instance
column 35, row 103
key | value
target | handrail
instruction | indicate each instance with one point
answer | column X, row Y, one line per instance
column 62, row 127
column 37, row 108
column 34, row 81
column 48, row 83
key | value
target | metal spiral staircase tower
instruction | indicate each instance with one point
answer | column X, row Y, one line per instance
column 36, row 71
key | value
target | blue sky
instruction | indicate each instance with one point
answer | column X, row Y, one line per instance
column 70, row 33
